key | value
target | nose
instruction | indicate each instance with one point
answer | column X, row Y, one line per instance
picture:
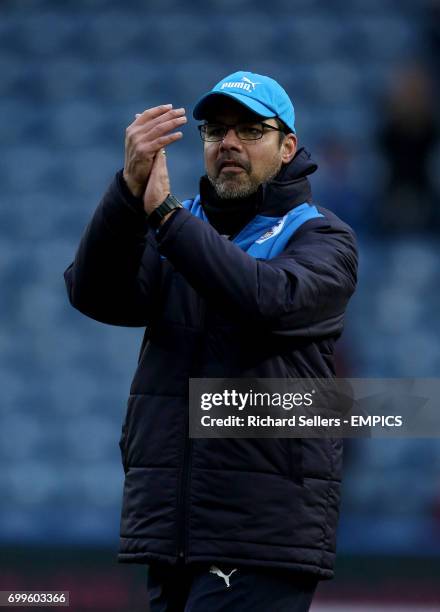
column 230, row 140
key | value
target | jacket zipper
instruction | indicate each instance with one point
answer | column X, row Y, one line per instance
column 183, row 502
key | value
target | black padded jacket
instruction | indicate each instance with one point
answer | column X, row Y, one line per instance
column 211, row 309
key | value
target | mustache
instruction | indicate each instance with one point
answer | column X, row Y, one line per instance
column 231, row 160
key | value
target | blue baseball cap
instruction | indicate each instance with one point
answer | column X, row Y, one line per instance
column 261, row 94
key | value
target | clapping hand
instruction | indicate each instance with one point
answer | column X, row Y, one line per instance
column 150, row 132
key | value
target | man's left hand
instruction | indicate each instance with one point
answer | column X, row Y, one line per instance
column 158, row 186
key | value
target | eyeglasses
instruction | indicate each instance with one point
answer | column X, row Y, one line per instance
column 215, row 132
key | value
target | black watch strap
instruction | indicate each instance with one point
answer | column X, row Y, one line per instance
column 169, row 204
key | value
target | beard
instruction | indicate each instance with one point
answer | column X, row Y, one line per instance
column 230, row 186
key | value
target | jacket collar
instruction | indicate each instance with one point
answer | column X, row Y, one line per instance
column 289, row 188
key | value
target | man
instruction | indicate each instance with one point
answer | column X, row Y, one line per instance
column 248, row 279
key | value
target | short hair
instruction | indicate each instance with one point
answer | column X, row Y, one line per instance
column 284, row 130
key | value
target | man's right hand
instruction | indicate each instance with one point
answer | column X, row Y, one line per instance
column 149, row 132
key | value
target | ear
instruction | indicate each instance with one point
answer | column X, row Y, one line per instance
column 288, row 148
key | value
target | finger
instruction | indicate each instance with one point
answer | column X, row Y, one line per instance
column 159, row 169
column 174, row 115
column 163, row 141
column 149, row 139
column 152, row 147
column 163, row 167
column 152, row 113
column 169, row 120
column 161, row 162
column 155, row 165
column 161, row 129
column 161, row 113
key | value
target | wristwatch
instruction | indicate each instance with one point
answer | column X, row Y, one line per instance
column 169, row 204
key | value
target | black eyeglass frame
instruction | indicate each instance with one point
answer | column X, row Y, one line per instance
column 227, row 127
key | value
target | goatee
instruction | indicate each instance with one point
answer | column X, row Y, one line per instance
column 238, row 186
